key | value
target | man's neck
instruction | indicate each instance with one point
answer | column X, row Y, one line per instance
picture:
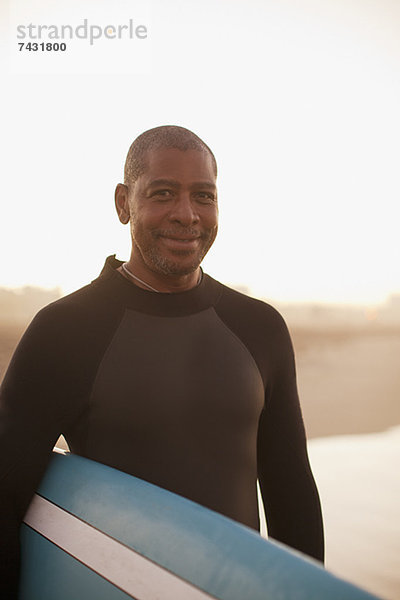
column 169, row 284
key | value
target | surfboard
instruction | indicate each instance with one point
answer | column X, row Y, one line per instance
column 93, row 532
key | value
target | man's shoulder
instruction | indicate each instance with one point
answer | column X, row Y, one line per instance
column 92, row 299
column 237, row 301
column 258, row 324
column 79, row 305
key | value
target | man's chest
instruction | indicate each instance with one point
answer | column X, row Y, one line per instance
column 193, row 369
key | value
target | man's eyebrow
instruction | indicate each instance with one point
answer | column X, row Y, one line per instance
column 204, row 184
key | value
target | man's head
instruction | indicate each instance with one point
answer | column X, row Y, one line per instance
column 170, row 199
column 165, row 136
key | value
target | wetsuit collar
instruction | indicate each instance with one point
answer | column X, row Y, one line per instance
column 199, row 298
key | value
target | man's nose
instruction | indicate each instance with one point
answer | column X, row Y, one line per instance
column 184, row 210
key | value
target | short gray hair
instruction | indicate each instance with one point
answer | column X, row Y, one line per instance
column 166, row 136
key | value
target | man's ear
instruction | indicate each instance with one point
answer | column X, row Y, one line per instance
column 121, row 203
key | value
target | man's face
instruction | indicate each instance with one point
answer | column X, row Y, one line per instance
column 174, row 211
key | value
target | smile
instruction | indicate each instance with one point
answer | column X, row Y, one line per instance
column 178, row 239
column 178, row 242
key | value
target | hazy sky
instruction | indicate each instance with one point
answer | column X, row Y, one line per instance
column 299, row 99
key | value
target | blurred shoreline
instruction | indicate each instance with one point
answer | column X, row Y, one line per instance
column 348, row 379
column 359, row 485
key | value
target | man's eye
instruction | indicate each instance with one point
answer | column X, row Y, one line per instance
column 162, row 194
column 205, row 197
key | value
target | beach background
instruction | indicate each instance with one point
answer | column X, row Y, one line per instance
column 349, row 383
column 299, row 100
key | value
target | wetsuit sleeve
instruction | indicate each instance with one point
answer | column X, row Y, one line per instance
column 290, row 496
column 32, row 416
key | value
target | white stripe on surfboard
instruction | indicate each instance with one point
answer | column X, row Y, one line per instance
column 122, row 566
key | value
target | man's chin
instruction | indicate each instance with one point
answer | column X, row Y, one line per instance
column 176, row 268
column 179, row 270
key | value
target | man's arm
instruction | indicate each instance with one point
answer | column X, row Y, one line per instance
column 290, row 496
column 32, row 416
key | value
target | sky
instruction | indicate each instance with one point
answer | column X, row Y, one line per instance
column 299, row 100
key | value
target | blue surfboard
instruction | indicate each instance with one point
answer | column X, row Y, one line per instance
column 93, row 532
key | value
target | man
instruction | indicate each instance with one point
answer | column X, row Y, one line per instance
column 159, row 370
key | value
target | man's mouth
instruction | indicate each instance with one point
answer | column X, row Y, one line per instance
column 173, row 241
column 182, row 238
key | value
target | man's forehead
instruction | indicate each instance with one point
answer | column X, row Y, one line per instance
column 169, row 162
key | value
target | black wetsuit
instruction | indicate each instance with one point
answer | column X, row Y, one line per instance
column 194, row 391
